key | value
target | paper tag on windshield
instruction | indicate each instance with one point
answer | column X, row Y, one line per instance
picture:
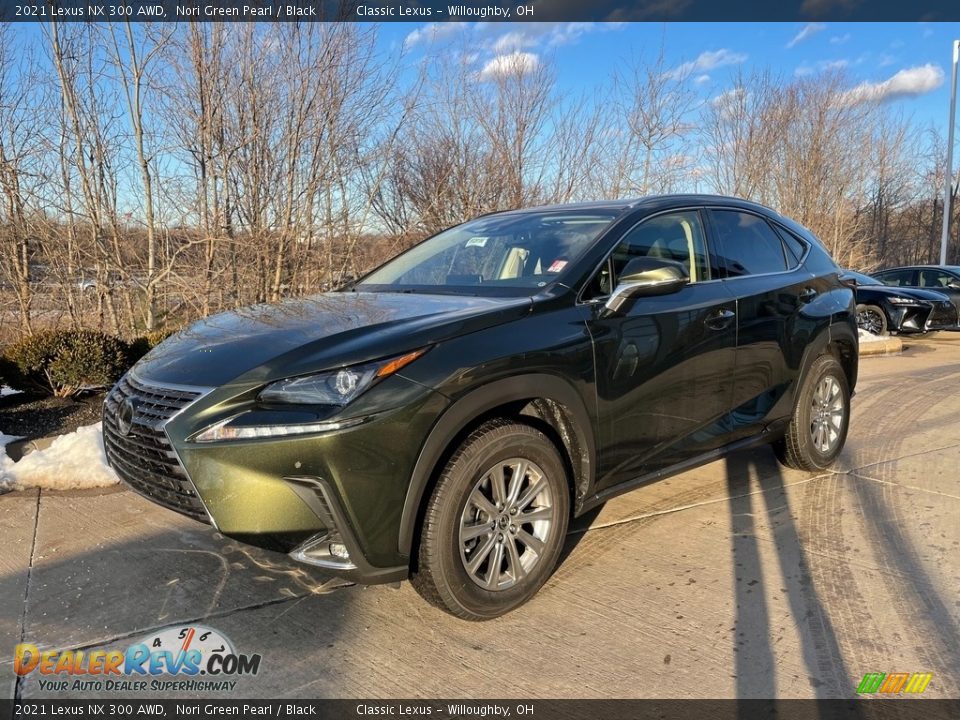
column 477, row 242
column 557, row 266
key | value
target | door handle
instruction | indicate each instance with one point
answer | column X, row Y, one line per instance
column 807, row 294
column 720, row 319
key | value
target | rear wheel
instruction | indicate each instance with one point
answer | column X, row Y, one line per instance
column 821, row 416
column 495, row 524
column 872, row 319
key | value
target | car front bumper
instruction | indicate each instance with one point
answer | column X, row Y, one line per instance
column 298, row 494
column 910, row 318
column 943, row 317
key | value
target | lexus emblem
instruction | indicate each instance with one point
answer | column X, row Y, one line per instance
column 125, row 414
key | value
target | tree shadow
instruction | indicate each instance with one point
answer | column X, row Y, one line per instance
column 935, row 635
column 756, row 661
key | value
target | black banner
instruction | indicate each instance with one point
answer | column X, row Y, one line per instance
column 476, row 10
column 872, row 709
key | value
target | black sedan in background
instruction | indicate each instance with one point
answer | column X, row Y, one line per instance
column 937, row 278
column 882, row 309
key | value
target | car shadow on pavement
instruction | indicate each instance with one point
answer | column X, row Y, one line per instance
column 108, row 596
column 757, row 498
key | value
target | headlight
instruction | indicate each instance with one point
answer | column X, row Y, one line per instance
column 233, row 429
column 904, row 301
column 337, row 387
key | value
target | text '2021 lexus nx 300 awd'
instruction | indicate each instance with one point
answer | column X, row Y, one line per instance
column 445, row 417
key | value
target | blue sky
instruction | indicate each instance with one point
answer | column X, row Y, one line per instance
column 585, row 54
column 907, row 64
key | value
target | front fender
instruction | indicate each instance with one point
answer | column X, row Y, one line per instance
column 478, row 402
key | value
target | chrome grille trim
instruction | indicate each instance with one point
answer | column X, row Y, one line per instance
column 145, row 459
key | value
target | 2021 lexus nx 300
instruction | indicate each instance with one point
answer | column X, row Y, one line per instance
column 444, row 417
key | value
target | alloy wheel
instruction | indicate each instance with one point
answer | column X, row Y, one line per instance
column 870, row 320
column 506, row 524
column 826, row 414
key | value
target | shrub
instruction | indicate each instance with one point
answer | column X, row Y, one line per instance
column 140, row 346
column 63, row 362
column 9, row 373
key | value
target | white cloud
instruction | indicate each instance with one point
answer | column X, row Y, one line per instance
column 515, row 63
column 906, row 83
column 701, row 79
column 709, row 60
column 513, row 41
column 807, row 32
column 728, row 96
column 552, row 34
column 839, row 39
column 431, row 32
column 571, row 32
column 821, row 66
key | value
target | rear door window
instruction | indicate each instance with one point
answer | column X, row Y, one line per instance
column 936, row 279
column 748, row 245
column 897, row 278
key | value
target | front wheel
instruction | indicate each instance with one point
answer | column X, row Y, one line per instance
column 495, row 524
column 872, row 319
column 821, row 416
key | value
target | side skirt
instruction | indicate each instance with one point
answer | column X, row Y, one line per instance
column 769, row 435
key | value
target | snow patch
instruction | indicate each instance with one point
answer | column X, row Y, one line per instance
column 75, row 460
column 5, row 390
column 866, row 337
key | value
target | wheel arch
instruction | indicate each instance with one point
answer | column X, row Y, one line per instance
column 546, row 401
column 844, row 344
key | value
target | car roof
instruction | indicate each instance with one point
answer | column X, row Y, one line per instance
column 649, row 201
column 951, row 268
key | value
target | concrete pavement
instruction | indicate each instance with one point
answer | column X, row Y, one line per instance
column 739, row 579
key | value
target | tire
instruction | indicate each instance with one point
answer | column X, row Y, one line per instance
column 811, row 443
column 872, row 319
column 460, row 540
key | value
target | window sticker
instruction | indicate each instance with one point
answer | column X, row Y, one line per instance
column 557, row 266
column 477, row 242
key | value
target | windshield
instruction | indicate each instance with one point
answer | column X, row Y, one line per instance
column 502, row 254
column 862, row 279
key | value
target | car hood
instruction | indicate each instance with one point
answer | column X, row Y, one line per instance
column 915, row 293
column 267, row 342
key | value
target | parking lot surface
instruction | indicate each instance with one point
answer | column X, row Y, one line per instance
column 739, row 579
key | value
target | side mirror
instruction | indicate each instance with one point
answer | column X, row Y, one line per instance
column 645, row 277
column 954, row 284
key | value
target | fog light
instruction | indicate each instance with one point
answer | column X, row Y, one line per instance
column 339, row 550
column 325, row 550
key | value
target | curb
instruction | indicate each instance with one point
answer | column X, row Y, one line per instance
column 887, row 346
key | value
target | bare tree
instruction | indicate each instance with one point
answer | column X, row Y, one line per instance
column 16, row 138
column 649, row 140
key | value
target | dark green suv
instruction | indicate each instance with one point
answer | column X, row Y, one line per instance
column 445, row 417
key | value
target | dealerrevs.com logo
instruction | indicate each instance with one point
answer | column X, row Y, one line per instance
column 192, row 658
